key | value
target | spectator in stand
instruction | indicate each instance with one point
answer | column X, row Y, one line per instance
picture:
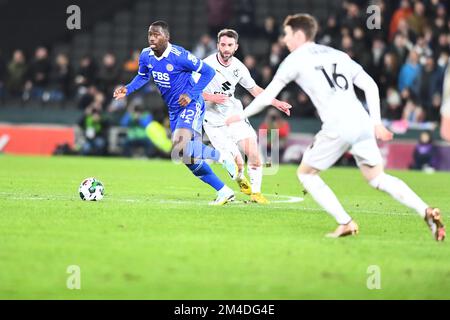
column 422, row 49
column 413, row 112
column 60, row 79
column 16, row 74
column 95, row 132
column 378, row 50
column 136, row 119
column 402, row 13
column 245, row 15
column 430, row 85
column 205, row 47
column 409, row 74
column 271, row 30
column 403, row 28
column 443, row 45
column 86, row 74
column 330, row 35
column 347, row 45
column 38, row 75
column 276, row 55
column 399, row 48
column 108, row 74
column 417, row 21
column 2, row 76
column 392, row 105
column 266, row 76
column 424, row 152
column 360, row 45
column 434, row 114
column 219, row 15
column 130, row 67
column 305, row 106
column 93, row 98
column 250, row 63
column 353, row 17
column 445, row 107
column 388, row 76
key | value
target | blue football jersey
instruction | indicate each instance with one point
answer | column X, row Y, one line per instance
column 172, row 73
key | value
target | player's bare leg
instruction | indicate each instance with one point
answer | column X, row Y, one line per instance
column 254, row 169
column 325, row 197
column 400, row 191
column 244, row 184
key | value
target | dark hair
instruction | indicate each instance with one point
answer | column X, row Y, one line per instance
column 228, row 33
column 302, row 21
column 163, row 25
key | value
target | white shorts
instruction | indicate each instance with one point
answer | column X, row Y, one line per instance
column 327, row 149
column 227, row 138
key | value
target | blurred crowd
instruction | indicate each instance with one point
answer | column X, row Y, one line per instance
column 407, row 57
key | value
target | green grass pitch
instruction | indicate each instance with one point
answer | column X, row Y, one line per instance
column 154, row 236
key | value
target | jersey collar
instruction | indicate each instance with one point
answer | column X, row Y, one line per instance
column 165, row 53
column 218, row 60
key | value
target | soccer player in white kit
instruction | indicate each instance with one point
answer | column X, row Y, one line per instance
column 327, row 76
column 221, row 103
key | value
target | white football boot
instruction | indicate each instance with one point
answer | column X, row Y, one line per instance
column 224, row 196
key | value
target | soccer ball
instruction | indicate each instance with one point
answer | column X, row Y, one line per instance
column 91, row 189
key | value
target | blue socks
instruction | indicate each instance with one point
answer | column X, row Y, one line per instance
column 203, row 171
column 198, row 150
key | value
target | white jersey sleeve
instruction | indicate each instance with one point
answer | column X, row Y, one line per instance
column 286, row 73
column 352, row 66
column 246, row 80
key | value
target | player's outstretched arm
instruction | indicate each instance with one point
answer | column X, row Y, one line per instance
column 261, row 101
column 139, row 80
column 370, row 88
column 280, row 105
column 120, row 93
column 265, row 98
column 382, row 133
column 135, row 84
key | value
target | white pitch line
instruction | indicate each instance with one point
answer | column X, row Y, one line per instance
column 14, row 196
column 240, row 203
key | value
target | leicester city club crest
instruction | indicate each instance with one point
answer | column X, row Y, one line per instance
column 169, row 67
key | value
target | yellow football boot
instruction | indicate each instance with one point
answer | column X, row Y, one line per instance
column 258, row 198
column 244, row 185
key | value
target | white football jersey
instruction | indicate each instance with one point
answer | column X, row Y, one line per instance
column 224, row 82
column 326, row 75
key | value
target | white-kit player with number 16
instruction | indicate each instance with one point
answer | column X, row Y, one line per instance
column 327, row 76
column 221, row 103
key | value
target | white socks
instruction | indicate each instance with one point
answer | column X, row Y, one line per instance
column 324, row 196
column 400, row 192
column 255, row 175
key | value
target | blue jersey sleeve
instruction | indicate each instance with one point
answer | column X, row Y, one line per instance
column 143, row 75
column 189, row 62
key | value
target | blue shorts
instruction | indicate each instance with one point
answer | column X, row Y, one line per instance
column 189, row 117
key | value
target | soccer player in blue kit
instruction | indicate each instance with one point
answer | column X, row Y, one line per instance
column 171, row 68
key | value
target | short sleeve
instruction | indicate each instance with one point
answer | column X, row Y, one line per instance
column 189, row 62
column 143, row 68
column 246, row 78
